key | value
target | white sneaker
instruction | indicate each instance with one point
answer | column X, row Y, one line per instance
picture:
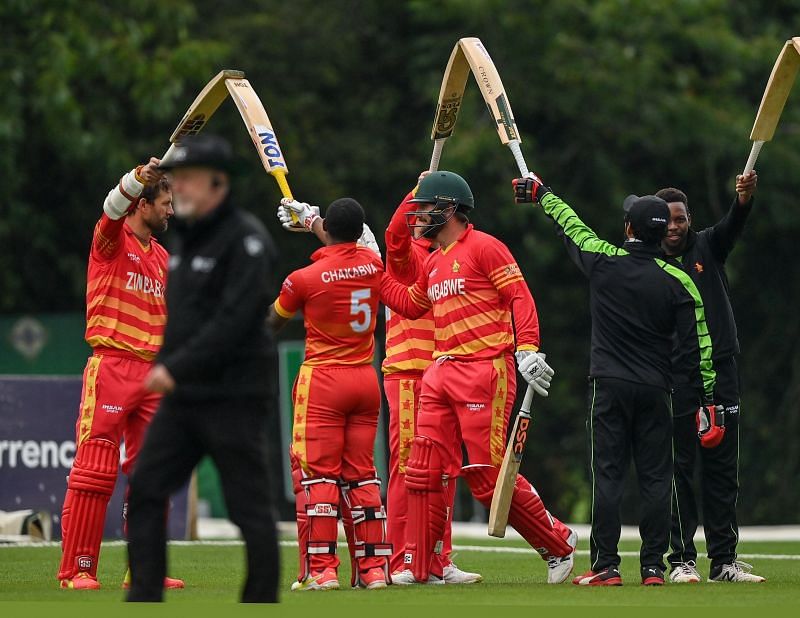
column 559, row 568
column 685, row 573
column 454, row 575
column 736, row 572
column 406, row 578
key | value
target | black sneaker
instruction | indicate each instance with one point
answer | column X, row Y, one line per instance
column 652, row 576
column 606, row 577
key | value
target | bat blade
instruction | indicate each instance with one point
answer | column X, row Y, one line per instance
column 491, row 87
column 261, row 132
column 506, row 478
column 451, row 93
column 777, row 91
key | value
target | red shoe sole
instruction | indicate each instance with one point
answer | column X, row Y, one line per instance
column 653, row 581
column 613, row 581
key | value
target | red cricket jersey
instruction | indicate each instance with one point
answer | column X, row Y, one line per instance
column 409, row 343
column 338, row 295
column 473, row 286
column 125, row 304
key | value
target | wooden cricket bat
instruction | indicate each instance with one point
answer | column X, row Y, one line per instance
column 203, row 107
column 777, row 91
column 504, row 489
column 454, row 82
column 494, row 94
column 261, row 132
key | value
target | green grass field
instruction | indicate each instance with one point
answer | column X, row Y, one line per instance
column 213, row 574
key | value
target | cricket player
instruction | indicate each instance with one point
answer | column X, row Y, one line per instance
column 703, row 255
column 125, row 318
column 473, row 286
column 639, row 303
column 336, row 402
column 409, row 351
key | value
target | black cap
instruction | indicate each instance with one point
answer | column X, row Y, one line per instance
column 204, row 150
column 646, row 212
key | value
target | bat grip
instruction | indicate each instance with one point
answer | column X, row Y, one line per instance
column 280, row 177
column 517, row 152
column 438, row 145
column 527, row 400
column 751, row 160
column 169, row 152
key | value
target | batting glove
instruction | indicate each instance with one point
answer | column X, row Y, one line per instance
column 297, row 216
column 711, row 425
column 367, row 239
column 529, row 189
column 534, row 370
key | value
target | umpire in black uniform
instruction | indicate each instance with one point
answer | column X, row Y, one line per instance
column 638, row 302
column 213, row 370
column 703, row 255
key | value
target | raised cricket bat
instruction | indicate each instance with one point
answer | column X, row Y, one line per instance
column 777, row 91
column 494, row 94
column 203, row 107
column 451, row 93
column 504, row 489
column 261, row 132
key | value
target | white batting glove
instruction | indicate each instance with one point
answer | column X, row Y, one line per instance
column 367, row 240
column 293, row 214
column 534, row 370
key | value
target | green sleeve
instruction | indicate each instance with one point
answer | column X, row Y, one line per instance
column 701, row 335
column 582, row 243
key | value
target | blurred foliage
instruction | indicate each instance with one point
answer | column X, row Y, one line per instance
column 611, row 96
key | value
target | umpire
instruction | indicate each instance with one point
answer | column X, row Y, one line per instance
column 638, row 302
column 703, row 255
column 213, row 371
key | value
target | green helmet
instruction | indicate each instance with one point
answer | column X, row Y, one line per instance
column 445, row 187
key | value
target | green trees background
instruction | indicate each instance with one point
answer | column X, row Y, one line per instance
column 611, row 97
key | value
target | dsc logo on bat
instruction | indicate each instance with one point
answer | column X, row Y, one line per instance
column 521, row 437
column 269, row 144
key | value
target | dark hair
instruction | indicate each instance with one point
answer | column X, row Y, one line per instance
column 344, row 220
column 650, row 235
column 152, row 191
column 671, row 194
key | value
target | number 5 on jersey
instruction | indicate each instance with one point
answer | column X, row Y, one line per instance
column 359, row 306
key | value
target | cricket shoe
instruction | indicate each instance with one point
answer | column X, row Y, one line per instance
column 372, row 579
column 735, row 572
column 606, row 577
column 170, row 583
column 327, row 579
column 685, row 573
column 454, row 575
column 406, row 578
column 81, row 581
column 559, row 568
column 652, row 576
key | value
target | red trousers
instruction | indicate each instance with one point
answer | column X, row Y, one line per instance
column 402, row 393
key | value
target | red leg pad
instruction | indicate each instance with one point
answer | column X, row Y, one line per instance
column 300, row 515
column 527, row 515
column 427, row 508
column 89, row 487
column 367, row 538
column 321, row 508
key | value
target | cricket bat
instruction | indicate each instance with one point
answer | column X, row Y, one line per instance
column 203, row 107
column 504, row 489
column 494, row 94
column 454, row 82
column 261, row 132
column 777, row 91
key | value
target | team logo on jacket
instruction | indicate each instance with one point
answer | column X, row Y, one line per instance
column 456, row 266
column 698, row 267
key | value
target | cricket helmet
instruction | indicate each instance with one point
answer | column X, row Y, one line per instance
column 446, row 191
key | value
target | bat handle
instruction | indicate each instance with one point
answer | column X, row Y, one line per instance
column 527, row 400
column 169, row 153
column 751, row 160
column 280, row 177
column 513, row 145
column 438, row 145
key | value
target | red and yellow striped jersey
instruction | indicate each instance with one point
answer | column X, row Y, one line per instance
column 473, row 286
column 338, row 295
column 125, row 304
column 409, row 343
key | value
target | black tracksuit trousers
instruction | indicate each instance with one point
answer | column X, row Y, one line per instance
column 629, row 419
column 719, row 474
column 233, row 433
